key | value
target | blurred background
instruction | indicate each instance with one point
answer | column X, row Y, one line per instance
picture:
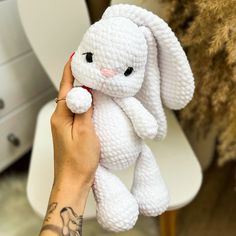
column 31, row 34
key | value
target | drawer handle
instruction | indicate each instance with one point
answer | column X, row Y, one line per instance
column 13, row 140
column 2, row 105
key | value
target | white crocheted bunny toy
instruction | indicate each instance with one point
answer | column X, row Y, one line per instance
column 133, row 64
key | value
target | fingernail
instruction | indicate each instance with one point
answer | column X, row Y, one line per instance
column 72, row 55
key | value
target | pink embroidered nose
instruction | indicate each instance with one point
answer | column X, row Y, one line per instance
column 107, row 72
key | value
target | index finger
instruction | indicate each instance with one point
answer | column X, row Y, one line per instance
column 67, row 81
column 65, row 86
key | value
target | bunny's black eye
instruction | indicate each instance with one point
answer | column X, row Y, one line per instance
column 128, row 71
column 89, row 57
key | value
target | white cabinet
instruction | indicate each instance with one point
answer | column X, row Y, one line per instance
column 24, row 87
column 17, row 129
column 21, row 80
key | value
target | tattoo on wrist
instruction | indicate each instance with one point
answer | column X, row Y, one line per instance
column 71, row 222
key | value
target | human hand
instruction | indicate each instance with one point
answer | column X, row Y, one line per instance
column 76, row 156
column 76, row 145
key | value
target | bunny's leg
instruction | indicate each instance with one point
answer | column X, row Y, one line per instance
column 149, row 188
column 117, row 210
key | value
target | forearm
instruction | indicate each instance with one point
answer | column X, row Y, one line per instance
column 65, row 209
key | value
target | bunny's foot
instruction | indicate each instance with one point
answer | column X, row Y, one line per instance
column 149, row 188
column 117, row 210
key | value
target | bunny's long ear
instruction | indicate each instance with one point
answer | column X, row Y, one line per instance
column 150, row 93
column 176, row 80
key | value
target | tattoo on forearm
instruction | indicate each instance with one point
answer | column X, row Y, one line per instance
column 71, row 222
column 50, row 210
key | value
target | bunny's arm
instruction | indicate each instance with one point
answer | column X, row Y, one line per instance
column 78, row 100
column 143, row 121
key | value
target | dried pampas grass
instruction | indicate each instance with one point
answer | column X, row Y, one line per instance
column 207, row 31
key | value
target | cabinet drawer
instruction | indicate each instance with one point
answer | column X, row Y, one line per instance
column 20, row 81
column 17, row 129
column 13, row 41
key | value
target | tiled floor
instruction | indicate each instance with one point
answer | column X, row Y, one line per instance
column 18, row 219
column 16, row 216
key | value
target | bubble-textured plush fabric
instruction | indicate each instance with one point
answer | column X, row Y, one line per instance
column 133, row 64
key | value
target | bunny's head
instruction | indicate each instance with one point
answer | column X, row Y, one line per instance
column 111, row 57
column 132, row 52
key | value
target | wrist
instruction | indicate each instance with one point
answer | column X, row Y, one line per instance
column 74, row 185
column 64, row 179
column 70, row 194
